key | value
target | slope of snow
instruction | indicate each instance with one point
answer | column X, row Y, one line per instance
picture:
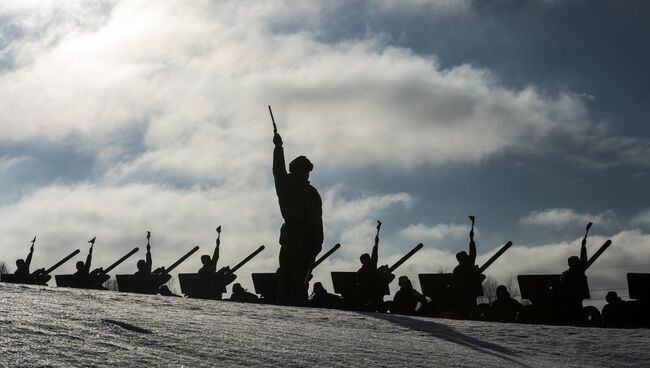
column 58, row 327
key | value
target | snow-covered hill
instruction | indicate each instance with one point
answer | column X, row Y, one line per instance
column 58, row 327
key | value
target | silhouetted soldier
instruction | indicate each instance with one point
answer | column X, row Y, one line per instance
column 301, row 235
column 22, row 266
column 209, row 264
column 505, row 308
column 466, row 279
column 239, row 294
column 144, row 265
column 322, row 299
column 366, row 279
column 83, row 269
column 615, row 312
column 572, row 288
column 406, row 298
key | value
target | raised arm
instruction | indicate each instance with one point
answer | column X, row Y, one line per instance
column 28, row 260
column 148, row 259
column 472, row 251
column 215, row 256
column 279, row 166
column 375, row 254
column 583, row 252
column 89, row 259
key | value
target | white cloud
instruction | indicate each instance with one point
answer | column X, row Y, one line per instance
column 642, row 218
column 434, row 234
column 559, row 218
column 200, row 94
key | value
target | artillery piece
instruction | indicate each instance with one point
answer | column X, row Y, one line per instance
column 345, row 283
column 543, row 292
column 38, row 277
column 93, row 280
column 195, row 285
column 438, row 286
column 266, row 284
column 150, row 283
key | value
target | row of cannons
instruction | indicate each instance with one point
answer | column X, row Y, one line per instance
column 437, row 288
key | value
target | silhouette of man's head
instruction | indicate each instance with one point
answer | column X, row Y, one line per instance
column 404, row 282
column 573, row 261
column 20, row 263
column 301, row 166
column 236, row 288
column 319, row 289
column 142, row 265
column 462, row 257
column 205, row 259
column 365, row 259
column 612, row 297
column 502, row 292
column 79, row 265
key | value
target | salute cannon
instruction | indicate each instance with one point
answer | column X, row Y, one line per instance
column 557, row 299
column 146, row 282
column 266, row 284
column 93, row 280
column 454, row 294
column 347, row 283
column 38, row 277
column 212, row 286
column 438, row 286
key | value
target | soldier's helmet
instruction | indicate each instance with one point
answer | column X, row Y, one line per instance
column 300, row 164
column 462, row 256
column 79, row 265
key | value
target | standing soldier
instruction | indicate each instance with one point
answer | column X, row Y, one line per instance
column 466, row 279
column 301, row 235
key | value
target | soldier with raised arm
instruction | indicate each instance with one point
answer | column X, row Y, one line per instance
column 573, row 287
column 210, row 264
column 301, row 235
column 83, row 268
column 144, row 265
column 22, row 265
column 466, row 278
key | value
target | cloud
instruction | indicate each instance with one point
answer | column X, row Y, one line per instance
column 196, row 95
column 560, row 218
column 642, row 218
column 433, row 234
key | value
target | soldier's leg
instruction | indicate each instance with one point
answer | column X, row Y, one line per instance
column 284, row 277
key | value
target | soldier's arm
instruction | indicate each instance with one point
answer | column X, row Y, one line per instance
column 215, row 257
column 89, row 259
column 148, row 259
column 279, row 166
column 28, row 260
column 375, row 255
column 472, row 251
column 583, row 252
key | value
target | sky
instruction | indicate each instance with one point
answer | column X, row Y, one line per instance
column 120, row 117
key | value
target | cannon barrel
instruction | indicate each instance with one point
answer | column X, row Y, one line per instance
column 405, row 258
column 326, row 255
column 59, row 263
column 496, row 255
column 180, row 260
column 245, row 260
column 117, row 263
column 598, row 253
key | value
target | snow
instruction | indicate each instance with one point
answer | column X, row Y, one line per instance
column 59, row 327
